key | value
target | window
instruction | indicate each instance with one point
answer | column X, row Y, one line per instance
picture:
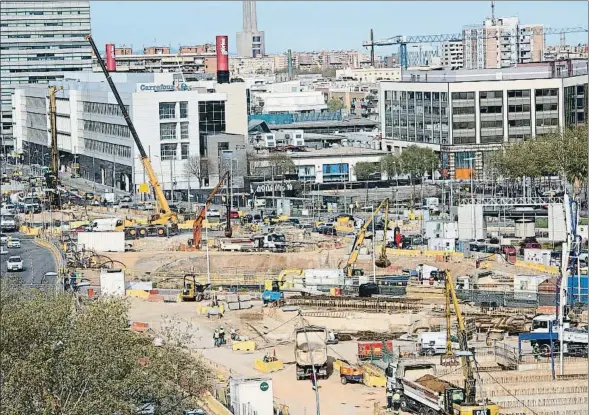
column 184, row 151
column 463, row 125
column 106, row 128
column 519, row 108
column 336, row 172
column 168, row 151
column 492, row 124
column 211, row 116
column 490, row 94
column 462, row 95
column 463, row 110
column 183, row 109
column 491, row 109
column 551, row 92
column 519, row 123
column 306, row 173
column 518, row 93
column 547, row 122
column 168, row 131
column 546, row 107
column 184, row 131
column 167, row 110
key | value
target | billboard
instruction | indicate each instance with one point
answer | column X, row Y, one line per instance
column 222, row 53
column 111, row 64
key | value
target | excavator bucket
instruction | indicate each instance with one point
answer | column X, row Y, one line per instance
column 382, row 262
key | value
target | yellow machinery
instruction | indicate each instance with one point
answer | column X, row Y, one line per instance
column 163, row 221
column 53, row 175
column 470, row 406
column 382, row 261
column 193, row 290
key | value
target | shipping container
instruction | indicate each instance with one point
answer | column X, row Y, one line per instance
column 102, row 241
column 112, row 282
column 251, row 395
column 374, row 350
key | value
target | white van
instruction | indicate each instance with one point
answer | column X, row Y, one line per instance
column 432, row 343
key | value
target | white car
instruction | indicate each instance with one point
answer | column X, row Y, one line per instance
column 14, row 263
column 14, row 243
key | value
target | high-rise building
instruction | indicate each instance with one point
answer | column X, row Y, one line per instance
column 502, row 42
column 250, row 41
column 452, row 54
column 41, row 41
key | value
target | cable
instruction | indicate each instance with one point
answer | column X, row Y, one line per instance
column 505, row 389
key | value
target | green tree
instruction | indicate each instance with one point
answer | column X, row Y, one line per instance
column 562, row 153
column 418, row 161
column 334, row 105
column 364, row 169
column 391, row 165
column 58, row 357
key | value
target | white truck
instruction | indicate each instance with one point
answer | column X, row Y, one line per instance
column 237, row 244
column 434, row 343
column 274, row 242
column 575, row 340
column 106, row 225
column 311, row 352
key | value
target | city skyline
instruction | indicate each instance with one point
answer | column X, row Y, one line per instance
column 346, row 30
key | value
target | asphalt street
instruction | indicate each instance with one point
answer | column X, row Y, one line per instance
column 36, row 262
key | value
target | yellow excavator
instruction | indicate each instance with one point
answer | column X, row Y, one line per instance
column 382, row 261
column 163, row 222
column 470, row 405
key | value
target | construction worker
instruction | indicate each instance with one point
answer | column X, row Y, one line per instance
column 313, row 381
column 216, row 337
column 536, row 351
column 221, row 335
column 389, row 400
column 396, row 402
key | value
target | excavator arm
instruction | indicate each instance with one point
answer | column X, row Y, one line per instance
column 166, row 213
column 360, row 236
column 466, row 358
column 197, row 226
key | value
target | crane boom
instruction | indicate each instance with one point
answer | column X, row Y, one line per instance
column 153, row 181
column 197, row 225
column 354, row 252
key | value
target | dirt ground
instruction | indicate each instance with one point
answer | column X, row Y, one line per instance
column 275, row 330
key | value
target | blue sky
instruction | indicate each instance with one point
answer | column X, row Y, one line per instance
column 314, row 25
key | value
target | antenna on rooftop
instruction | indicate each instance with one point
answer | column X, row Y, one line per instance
column 493, row 12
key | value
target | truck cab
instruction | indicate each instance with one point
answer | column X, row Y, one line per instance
column 545, row 323
column 107, row 225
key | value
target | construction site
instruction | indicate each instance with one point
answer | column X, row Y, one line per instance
column 345, row 314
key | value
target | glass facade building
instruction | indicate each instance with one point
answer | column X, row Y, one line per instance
column 40, row 42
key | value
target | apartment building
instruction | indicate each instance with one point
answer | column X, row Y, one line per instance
column 174, row 121
column 452, row 54
column 305, row 61
column 369, row 75
column 41, row 41
column 466, row 115
column 501, row 43
column 199, row 61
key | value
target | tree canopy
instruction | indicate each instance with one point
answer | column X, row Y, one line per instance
column 334, row 105
column 363, row 169
column 563, row 153
column 57, row 360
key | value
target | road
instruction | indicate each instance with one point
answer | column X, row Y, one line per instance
column 36, row 261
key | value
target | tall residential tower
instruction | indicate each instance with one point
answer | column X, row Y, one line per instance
column 250, row 41
column 41, row 41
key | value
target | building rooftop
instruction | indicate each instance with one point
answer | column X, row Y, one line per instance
column 539, row 70
column 353, row 122
column 334, row 152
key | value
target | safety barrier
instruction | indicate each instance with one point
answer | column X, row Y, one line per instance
column 243, row 346
column 268, row 367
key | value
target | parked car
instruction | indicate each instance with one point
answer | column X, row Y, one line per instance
column 13, row 243
column 3, row 239
column 14, row 263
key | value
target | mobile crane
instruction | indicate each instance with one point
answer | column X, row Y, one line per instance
column 163, row 221
column 197, row 225
column 382, row 262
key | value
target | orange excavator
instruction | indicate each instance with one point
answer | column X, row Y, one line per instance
column 197, row 226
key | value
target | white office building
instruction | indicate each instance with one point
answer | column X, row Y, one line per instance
column 41, row 41
column 175, row 121
column 467, row 114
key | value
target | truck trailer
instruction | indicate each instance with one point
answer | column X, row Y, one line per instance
column 311, row 352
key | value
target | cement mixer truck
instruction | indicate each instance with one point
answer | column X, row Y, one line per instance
column 311, row 352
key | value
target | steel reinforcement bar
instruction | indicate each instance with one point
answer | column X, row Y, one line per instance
column 356, row 303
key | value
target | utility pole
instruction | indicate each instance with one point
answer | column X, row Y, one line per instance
column 54, row 199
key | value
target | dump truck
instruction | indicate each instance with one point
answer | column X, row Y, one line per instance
column 425, row 393
column 311, row 352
